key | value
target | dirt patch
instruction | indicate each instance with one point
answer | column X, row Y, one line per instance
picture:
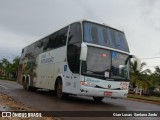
column 9, row 104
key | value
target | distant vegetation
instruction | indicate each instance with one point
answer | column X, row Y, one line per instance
column 8, row 70
column 145, row 80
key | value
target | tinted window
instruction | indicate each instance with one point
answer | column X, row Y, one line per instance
column 103, row 63
column 119, row 68
column 61, row 37
column 105, row 36
column 73, row 57
column 73, row 48
column 98, row 62
column 57, row 39
column 75, row 34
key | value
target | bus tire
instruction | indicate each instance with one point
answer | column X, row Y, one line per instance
column 26, row 85
column 23, row 83
column 33, row 89
column 59, row 88
column 98, row 99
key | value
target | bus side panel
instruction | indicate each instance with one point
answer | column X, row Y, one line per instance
column 72, row 81
column 50, row 65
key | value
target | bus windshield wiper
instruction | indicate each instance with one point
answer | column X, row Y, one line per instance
column 95, row 72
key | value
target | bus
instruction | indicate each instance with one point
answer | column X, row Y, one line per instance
column 84, row 58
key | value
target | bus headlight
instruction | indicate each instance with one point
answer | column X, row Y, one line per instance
column 89, row 84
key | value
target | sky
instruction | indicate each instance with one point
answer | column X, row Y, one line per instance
column 24, row 21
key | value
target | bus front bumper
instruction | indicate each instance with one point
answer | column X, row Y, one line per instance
column 99, row 92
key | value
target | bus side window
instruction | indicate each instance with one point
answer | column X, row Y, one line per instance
column 62, row 37
column 45, row 42
column 22, row 50
column 57, row 39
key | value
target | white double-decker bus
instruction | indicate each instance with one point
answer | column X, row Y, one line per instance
column 83, row 58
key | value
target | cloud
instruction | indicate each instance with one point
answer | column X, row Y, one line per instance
column 23, row 22
column 11, row 44
column 150, row 13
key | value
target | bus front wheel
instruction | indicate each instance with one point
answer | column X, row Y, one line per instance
column 98, row 99
column 59, row 90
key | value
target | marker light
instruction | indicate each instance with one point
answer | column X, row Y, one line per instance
column 87, row 84
column 104, row 55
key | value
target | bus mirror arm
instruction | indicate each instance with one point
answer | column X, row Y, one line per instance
column 129, row 57
column 83, row 55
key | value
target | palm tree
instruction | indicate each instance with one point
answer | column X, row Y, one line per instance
column 140, row 79
column 1, row 68
column 10, row 68
column 4, row 62
column 156, row 77
column 4, row 66
column 147, row 83
column 15, row 66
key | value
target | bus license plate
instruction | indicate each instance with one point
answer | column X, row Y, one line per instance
column 108, row 93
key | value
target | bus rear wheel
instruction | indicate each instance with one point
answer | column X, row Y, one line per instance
column 26, row 85
column 98, row 99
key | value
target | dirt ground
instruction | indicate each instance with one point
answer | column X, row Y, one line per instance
column 9, row 104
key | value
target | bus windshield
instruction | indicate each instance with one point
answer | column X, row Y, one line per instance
column 102, row 63
column 105, row 36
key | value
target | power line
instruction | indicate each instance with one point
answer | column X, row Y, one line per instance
column 150, row 58
column 152, row 66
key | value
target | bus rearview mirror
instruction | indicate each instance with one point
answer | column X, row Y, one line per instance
column 83, row 55
column 138, row 62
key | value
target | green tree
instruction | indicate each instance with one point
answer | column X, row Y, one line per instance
column 141, row 79
column 5, row 62
column 10, row 68
column 156, row 76
column 5, row 66
column 15, row 65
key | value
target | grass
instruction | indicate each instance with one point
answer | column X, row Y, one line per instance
column 148, row 98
